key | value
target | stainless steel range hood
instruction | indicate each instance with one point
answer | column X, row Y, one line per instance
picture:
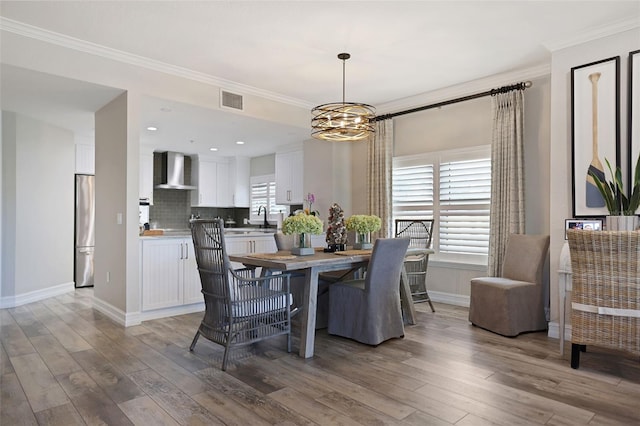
column 172, row 173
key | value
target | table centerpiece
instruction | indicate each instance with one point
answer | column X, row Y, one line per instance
column 302, row 225
column 363, row 225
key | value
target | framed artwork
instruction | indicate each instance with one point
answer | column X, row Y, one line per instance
column 593, row 224
column 595, row 136
column 633, row 121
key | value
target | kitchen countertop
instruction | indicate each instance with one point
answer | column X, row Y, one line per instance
column 228, row 233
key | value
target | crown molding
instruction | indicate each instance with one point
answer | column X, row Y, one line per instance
column 464, row 89
column 79, row 45
column 593, row 34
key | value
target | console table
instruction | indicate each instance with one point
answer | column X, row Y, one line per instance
column 564, row 286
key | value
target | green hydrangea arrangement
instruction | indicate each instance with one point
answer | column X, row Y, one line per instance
column 302, row 223
column 363, row 223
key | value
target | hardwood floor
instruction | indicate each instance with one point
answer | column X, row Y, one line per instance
column 64, row 363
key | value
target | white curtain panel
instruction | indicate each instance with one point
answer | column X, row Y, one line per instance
column 507, row 175
column 380, row 156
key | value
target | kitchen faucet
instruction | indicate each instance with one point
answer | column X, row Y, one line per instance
column 265, row 224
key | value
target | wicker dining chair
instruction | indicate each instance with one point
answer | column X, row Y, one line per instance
column 605, row 299
column 240, row 308
column 419, row 232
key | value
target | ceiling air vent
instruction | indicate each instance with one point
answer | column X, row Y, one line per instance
column 231, row 100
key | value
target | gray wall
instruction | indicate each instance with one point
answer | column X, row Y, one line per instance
column 37, row 206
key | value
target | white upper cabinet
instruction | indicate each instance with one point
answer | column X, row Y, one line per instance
column 289, row 177
column 146, row 174
column 213, row 183
column 203, row 177
column 239, row 171
column 85, row 159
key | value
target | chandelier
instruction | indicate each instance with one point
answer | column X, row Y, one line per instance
column 343, row 121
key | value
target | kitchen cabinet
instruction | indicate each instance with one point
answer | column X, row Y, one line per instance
column 251, row 244
column 289, row 177
column 239, row 171
column 169, row 273
column 211, row 178
column 146, row 175
column 85, row 159
column 240, row 244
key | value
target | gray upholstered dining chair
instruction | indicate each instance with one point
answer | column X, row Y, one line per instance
column 514, row 302
column 240, row 309
column 368, row 310
column 285, row 242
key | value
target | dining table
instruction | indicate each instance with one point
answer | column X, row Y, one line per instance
column 314, row 264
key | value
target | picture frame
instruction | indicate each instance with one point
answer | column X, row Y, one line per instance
column 593, row 224
column 633, row 117
column 595, row 136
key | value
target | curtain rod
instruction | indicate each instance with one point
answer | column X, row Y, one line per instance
column 504, row 89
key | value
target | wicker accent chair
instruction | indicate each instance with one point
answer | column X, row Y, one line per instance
column 419, row 232
column 240, row 309
column 605, row 300
column 368, row 310
column 514, row 302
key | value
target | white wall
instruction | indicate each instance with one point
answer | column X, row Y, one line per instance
column 560, row 160
column 38, row 209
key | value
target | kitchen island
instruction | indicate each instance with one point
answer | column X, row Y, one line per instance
column 170, row 283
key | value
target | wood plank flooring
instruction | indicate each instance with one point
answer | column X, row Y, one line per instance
column 64, row 363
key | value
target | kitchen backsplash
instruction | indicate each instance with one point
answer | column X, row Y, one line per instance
column 172, row 209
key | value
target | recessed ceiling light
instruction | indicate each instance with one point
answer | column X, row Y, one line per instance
column 239, row 143
column 213, row 149
column 152, row 129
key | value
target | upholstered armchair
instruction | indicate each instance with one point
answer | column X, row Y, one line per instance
column 513, row 303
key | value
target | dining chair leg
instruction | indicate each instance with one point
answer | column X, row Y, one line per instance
column 195, row 340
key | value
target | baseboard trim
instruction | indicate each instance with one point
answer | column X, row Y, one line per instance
column 36, row 295
column 116, row 314
column 554, row 331
column 169, row 312
column 136, row 318
column 449, row 298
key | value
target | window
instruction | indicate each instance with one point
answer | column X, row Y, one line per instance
column 454, row 188
column 263, row 193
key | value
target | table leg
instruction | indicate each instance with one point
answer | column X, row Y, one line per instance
column 308, row 332
column 406, row 298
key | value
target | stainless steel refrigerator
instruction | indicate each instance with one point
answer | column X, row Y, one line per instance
column 84, row 230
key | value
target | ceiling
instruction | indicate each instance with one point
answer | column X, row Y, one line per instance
column 287, row 49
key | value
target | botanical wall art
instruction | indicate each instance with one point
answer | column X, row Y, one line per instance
column 595, row 117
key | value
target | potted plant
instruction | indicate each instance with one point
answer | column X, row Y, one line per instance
column 622, row 208
column 363, row 225
column 303, row 226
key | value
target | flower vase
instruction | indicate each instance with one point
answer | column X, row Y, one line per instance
column 302, row 245
column 363, row 241
column 622, row 223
